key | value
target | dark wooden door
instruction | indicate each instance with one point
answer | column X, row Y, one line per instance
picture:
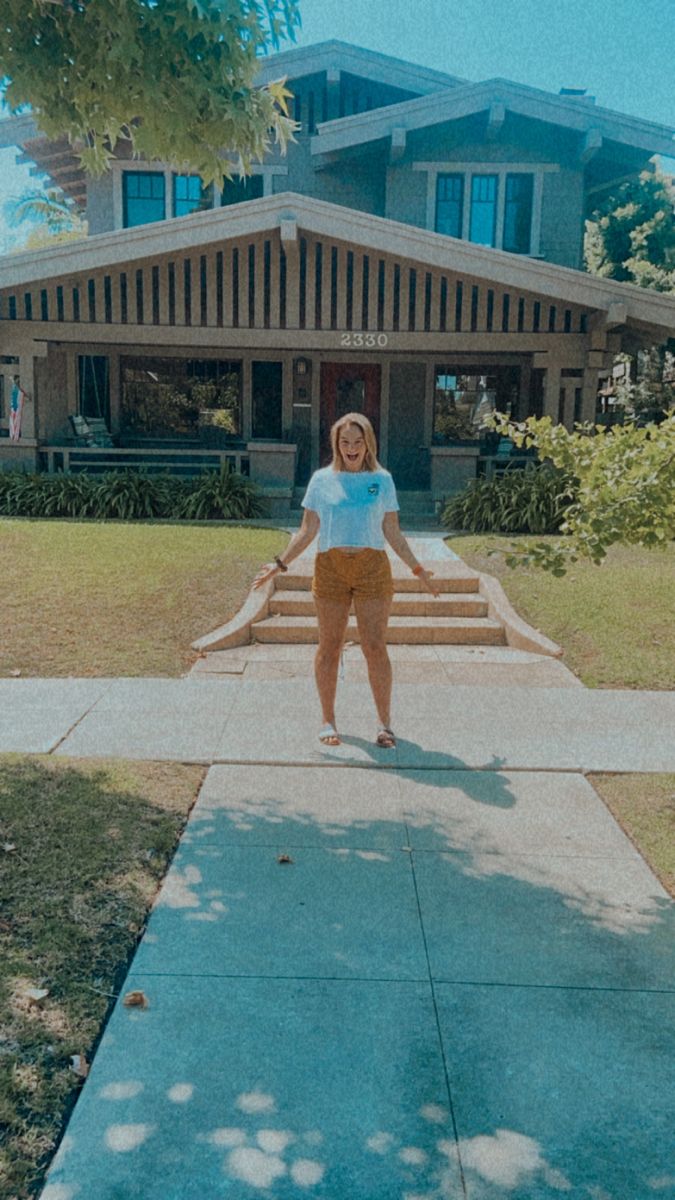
column 347, row 387
column 409, row 460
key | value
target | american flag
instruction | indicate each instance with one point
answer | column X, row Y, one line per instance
column 15, row 410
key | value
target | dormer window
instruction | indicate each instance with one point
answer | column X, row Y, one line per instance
column 143, row 196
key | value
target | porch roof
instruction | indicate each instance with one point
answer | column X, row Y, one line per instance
column 291, row 214
column 577, row 114
column 336, row 55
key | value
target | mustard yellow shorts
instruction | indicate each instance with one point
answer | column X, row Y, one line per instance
column 339, row 576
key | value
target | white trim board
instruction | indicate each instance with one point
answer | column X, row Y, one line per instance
column 452, row 105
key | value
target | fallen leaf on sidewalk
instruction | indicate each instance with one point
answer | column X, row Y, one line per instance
column 79, row 1065
column 284, row 858
column 135, row 1000
column 36, row 995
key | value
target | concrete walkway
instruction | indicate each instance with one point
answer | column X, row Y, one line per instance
column 462, row 984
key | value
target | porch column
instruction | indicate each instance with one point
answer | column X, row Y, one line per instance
column 27, row 375
column 246, row 399
column 552, row 387
column 383, row 448
column 589, row 396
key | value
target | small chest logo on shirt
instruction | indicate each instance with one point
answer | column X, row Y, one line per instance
column 374, row 489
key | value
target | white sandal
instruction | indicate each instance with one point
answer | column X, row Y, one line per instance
column 386, row 738
column 329, row 731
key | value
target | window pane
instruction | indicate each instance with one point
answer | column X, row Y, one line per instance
column 143, row 194
column 518, row 213
column 237, row 190
column 461, row 404
column 449, row 204
column 189, row 195
column 483, row 209
column 267, row 382
column 181, row 398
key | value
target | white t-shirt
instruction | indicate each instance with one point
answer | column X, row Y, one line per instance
column 351, row 506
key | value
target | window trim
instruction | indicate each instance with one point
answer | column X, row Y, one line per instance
column 501, row 170
column 119, row 166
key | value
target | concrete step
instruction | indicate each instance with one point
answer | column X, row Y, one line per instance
column 402, row 630
column 459, row 581
column 300, row 603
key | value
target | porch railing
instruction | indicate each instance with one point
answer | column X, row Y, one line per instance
column 97, row 459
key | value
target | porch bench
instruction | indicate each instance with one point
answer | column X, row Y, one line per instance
column 152, row 461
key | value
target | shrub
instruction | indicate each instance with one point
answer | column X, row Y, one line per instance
column 215, row 497
column 129, row 495
column 533, row 500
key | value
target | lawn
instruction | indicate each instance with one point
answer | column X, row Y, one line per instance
column 644, row 806
column 111, row 598
column 615, row 623
column 83, row 847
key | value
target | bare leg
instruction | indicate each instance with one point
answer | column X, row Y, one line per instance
column 372, row 617
column 333, row 616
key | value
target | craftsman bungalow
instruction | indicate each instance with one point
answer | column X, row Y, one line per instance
column 416, row 255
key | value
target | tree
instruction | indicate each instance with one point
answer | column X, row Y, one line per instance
column 632, row 237
column 54, row 217
column 176, row 79
column 623, row 485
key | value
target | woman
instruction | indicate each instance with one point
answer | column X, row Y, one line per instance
column 352, row 505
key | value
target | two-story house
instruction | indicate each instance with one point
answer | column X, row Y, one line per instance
column 416, row 255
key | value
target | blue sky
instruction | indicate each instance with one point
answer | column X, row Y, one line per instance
column 621, row 51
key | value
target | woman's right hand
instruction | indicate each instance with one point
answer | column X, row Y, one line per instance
column 267, row 571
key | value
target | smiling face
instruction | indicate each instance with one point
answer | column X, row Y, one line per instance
column 352, row 447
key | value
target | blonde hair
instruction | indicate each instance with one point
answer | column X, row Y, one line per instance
column 370, row 462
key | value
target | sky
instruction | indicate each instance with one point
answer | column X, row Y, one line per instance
column 620, row 50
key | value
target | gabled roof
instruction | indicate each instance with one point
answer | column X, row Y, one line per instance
column 288, row 210
column 335, row 55
column 451, row 105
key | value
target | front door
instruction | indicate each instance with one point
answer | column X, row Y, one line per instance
column 347, row 387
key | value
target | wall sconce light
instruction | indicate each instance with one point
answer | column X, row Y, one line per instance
column 301, row 366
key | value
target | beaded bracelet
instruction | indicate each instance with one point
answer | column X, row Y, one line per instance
column 282, row 566
column 418, row 570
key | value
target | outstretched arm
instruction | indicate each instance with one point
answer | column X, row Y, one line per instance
column 299, row 542
column 392, row 532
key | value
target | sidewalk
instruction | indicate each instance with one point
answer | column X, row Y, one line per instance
column 461, row 985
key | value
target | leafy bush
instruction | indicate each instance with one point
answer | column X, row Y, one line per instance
column 531, row 501
column 215, row 497
column 129, row 495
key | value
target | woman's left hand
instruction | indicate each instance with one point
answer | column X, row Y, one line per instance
column 429, row 584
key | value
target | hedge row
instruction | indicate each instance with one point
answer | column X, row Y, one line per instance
column 519, row 501
column 129, row 495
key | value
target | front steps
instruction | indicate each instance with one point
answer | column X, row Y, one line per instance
column 458, row 617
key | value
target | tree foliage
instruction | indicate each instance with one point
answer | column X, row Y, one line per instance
column 623, row 487
column 175, row 78
column 632, row 237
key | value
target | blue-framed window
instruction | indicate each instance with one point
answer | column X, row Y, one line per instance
column 190, row 195
column 144, row 197
column 518, row 213
column 450, row 204
column 238, row 189
column 483, row 222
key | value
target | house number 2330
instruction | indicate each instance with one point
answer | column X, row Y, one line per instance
column 369, row 341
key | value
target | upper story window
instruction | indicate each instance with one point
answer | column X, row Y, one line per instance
column 144, row 197
column 190, row 195
column 237, row 189
column 498, row 207
column 450, row 205
column 483, row 223
column 518, row 213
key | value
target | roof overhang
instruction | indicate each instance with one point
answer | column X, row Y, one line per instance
column 335, row 55
column 580, row 116
column 288, row 212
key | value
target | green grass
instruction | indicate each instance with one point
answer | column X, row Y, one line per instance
column 614, row 622
column 111, row 598
column 83, row 847
column 644, row 806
